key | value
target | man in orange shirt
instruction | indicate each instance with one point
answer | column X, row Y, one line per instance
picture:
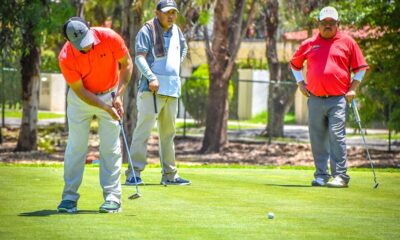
column 90, row 61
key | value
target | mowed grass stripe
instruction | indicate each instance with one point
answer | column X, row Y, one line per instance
column 222, row 203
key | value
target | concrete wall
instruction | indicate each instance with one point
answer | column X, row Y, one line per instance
column 52, row 92
column 300, row 108
column 253, row 92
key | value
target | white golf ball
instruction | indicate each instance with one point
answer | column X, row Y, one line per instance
column 271, row 215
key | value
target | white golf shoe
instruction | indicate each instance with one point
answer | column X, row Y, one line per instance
column 337, row 182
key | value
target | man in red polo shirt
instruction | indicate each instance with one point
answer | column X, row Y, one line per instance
column 94, row 62
column 330, row 56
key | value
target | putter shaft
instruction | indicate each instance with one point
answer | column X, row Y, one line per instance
column 137, row 194
column 358, row 120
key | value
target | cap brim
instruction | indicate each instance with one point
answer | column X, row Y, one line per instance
column 325, row 17
column 166, row 9
column 87, row 39
column 328, row 17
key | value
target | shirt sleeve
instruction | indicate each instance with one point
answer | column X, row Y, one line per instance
column 143, row 41
column 357, row 61
column 117, row 44
column 299, row 56
column 68, row 71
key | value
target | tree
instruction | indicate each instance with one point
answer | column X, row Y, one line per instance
column 380, row 90
column 221, row 55
column 8, row 17
column 280, row 95
column 33, row 13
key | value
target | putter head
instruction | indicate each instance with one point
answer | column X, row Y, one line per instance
column 134, row 196
column 376, row 185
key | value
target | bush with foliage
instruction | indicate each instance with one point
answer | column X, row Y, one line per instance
column 195, row 94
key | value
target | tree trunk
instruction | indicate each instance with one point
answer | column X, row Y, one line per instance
column 30, row 62
column 132, row 21
column 281, row 95
column 80, row 7
column 227, row 35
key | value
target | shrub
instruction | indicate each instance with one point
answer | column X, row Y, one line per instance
column 195, row 94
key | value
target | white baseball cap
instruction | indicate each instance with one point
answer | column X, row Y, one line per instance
column 328, row 12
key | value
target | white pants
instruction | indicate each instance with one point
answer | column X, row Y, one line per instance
column 167, row 109
column 80, row 115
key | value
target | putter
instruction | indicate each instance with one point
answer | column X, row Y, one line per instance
column 137, row 194
column 357, row 117
column 155, row 103
column 154, row 98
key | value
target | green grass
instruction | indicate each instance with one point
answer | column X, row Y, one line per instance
column 222, row 203
column 382, row 136
column 41, row 114
column 263, row 116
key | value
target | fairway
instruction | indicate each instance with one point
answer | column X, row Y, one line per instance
column 221, row 203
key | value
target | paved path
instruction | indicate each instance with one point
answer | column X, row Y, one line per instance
column 299, row 133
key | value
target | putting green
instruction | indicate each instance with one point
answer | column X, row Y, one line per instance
column 222, row 203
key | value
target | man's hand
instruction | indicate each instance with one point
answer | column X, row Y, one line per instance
column 154, row 85
column 117, row 104
column 303, row 88
column 113, row 112
column 352, row 91
column 350, row 95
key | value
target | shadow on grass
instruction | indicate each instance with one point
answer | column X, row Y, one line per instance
column 47, row 212
column 287, row 185
column 143, row 185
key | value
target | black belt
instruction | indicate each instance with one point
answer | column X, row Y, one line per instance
column 326, row 96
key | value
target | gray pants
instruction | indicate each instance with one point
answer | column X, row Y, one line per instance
column 326, row 124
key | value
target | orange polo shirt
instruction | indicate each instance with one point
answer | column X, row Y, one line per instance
column 98, row 68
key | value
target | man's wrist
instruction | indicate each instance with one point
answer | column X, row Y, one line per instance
column 301, row 83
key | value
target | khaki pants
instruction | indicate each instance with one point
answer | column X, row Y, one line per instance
column 167, row 109
column 80, row 115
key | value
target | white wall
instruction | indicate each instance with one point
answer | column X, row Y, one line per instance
column 52, row 92
column 253, row 92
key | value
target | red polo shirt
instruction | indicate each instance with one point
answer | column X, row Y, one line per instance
column 98, row 68
column 329, row 62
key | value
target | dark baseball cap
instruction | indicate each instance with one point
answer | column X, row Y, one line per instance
column 166, row 5
column 78, row 32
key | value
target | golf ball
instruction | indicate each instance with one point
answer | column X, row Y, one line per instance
column 271, row 215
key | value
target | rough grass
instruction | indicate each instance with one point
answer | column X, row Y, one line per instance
column 9, row 113
column 222, row 203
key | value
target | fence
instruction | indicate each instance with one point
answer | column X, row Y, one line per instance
column 10, row 93
column 249, row 97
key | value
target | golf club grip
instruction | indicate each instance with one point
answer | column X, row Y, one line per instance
column 155, row 102
column 113, row 96
column 356, row 115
